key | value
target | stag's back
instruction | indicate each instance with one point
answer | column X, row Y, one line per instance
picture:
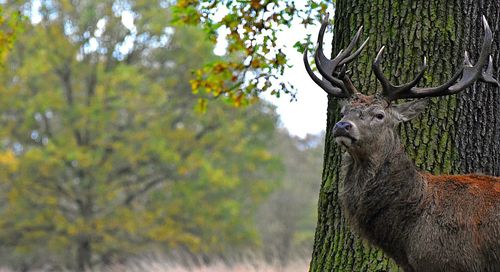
column 459, row 228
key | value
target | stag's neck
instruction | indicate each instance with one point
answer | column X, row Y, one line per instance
column 382, row 195
column 382, row 169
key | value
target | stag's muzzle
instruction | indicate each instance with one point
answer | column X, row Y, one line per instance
column 343, row 132
column 342, row 128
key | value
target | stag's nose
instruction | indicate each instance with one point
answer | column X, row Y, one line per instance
column 343, row 125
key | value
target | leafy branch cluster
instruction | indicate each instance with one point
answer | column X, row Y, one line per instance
column 254, row 62
column 10, row 27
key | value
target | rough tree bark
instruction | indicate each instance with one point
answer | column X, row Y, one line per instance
column 457, row 134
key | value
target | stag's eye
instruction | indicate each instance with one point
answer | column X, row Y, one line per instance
column 379, row 116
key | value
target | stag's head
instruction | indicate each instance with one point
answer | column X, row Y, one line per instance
column 368, row 123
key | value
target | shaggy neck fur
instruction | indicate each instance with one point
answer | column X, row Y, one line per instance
column 382, row 195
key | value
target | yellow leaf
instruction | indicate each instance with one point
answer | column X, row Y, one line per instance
column 9, row 160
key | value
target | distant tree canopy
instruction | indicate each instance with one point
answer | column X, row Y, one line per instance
column 287, row 219
column 102, row 151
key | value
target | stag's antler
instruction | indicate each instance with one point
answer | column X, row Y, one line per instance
column 468, row 74
column 338, row 83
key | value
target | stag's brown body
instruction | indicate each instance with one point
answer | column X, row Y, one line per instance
column 426, row 223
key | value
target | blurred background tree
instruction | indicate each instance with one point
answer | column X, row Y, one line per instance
column 288, row 216
column 106, row 152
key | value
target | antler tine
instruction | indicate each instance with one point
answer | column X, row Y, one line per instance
column 323, row 84
column 332, row 86
column 356, row 53
column 333, row 70
column 326, row 66
column 319, row 43
column 342, row 57
column 386, row 85
column 466, row 59
column 487, row 41
column 471, row 74
column 389, row 90
column 327, row 86
column 488, row 75
column 468, row 74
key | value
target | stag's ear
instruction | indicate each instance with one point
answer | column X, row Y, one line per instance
column 409, row 110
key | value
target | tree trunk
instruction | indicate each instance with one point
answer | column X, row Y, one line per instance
column 83, row 253
column 457, row 134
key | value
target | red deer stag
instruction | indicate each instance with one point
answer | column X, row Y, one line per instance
column 424, row 222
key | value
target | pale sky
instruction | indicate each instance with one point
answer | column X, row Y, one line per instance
column 308, row 113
